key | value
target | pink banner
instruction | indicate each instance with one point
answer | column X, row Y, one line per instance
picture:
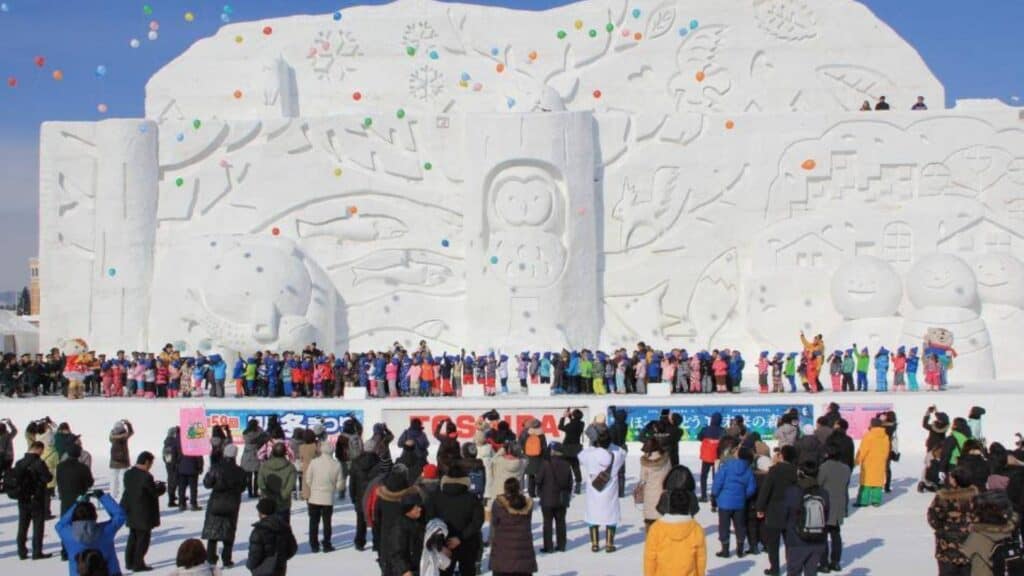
column 194, row 441
column 859, row 416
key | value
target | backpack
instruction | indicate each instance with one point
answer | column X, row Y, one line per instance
column 1008, row 558
column 477, row 481
column 812, row 524
column 15, row 480
column 533, row 446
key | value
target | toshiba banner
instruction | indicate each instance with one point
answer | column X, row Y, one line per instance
column 465, row 420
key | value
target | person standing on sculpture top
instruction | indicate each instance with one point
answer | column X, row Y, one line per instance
column 882, row 104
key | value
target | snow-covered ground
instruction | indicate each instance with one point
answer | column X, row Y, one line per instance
column 892, row 539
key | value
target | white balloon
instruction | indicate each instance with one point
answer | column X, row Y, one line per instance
column 153, row 34
column 134, row 43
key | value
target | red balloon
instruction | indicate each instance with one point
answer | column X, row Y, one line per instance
column 12, row 82
column 267, row 30
column 40, row 61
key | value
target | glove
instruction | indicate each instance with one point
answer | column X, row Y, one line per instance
column 97, row 494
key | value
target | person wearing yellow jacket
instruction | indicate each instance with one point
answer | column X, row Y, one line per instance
column 872, row 457
column 675, row 543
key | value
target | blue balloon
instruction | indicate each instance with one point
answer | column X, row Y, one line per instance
column 225, row 18
column 465, row 76
column 337, row 16
column 636, row 12
column 511, row 102
column 228, row 9
column 694, row 24
column 180, row 137
column 101, row 71
column 683, row 31
column 4, row 7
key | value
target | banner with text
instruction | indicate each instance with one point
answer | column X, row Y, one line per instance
column 291, row 420
column 465, row 420
column 859, row 416
column 760, row 418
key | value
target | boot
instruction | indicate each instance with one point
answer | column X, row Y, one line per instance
column 609, row 540
column 724, row 553
column 594, row 537
column 579, row 488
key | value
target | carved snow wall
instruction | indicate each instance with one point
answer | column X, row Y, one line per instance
column 542, row 209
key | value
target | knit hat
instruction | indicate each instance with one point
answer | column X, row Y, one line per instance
column 429, row 472
column 230, row 451
column 397, row 480
column 410, row 501
column 266, row 507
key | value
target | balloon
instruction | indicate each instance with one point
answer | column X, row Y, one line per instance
column 694, row 24
column 143, row 128
column 337, row 172
column 189, row 17
column 700, row 76
column 410, row 50
column 228, row 9
column 500, row 68
column 12, row 82
column 609, row 27
column 511, row 102
column 578, row 24
column 445, row 243
column 4, row 7
column 494, row 259
column 154, row 25
column 112, row 272
column 267, row 30
column 196, row 124
column 58, row 75
column 275, row 231
column 428, row 166
column 134, row 43
column 636, row 12
column 101, row 71
column 561, row 34
column 592, row 33
column 637, row 36
column 179, row 182
column 597, row 93
column 357, row 96
column 225, row 18
column 494, row 51
column 433, row 55
column 180, row 137
column 809, row 164
column 239, row 39
column 353, row 210
column 237, row 94
column 147, row 9
column 683, row 31
column 465, row 76
column 367, row 122
column 101, row 108
column 400, row 114
column 532, row 55
column 40, row 61
column 337, row 16
column 729, row 124
column 153, row 35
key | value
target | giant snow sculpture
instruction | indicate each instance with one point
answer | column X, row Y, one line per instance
column 689, row 174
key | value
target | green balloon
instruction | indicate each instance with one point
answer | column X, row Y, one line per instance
column 561, row 34
column 196, row 124
column 179, row 182
column 147, row 10
column 609, row 27
column 400, row 113
column 411, row 50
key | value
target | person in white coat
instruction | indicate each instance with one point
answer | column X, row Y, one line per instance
column 321, row 484
column 600, row 464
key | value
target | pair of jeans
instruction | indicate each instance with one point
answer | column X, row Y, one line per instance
column 554, row 518
column 803, row 560
column 136, row 547
column 318, row 514
column 772, row 541
column 738, row 518
column 862, row 381
column 34, row 513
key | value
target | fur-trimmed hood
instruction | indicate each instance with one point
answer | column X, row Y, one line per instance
column 387, row 495
column 957, row 494
column 504, row 503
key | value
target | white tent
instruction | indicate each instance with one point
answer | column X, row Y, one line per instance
column 17, row 335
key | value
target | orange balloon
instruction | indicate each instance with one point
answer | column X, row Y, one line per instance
column 58, row 75
column 638, row 36
column 700, row 76
column 809, row 164
column 729, row 124
column 500, row 68
column 238, row 94
column 533, row 55
column 352, row 210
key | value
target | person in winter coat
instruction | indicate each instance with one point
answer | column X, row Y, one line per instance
column 709, row 437
column 190, row 468
column 171, row 456
column 276, row 481
column 771, row 503
column 953, row 446
column 506, row 464
column 951, row 515
column 388, row 510
column 872, row 458
column 675, row 544
column 435, row 557
column 978, row 467
column 847, row 453
column 401, row 552
column 321, row 484
column 654, row 467
column 532, row 442
column 834, row 478
column 601, row 464
column 808, row 447
column 937, row 425
column 803, row 556
column 141, row 505
column 554, row 486
column 120, row 458
column 463, row 514
column 372, row 464
column 786, row 432
column 995, row 522
column 571, row 425
column 226, row 482
column 733, row 485
column 191, row 560
column 271, row 542
column 512, row 551
column 414, row 436
column 619, row 432
column 79, row 530
column 30, row 477
column 254, row 438
column 74, row 480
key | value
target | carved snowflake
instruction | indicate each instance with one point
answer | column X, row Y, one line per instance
column 418, row 35
column 426, row 83
column 332, row 53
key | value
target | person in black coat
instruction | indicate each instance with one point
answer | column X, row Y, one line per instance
column 141, row 505
column 554, row 486
column 463, row 513
column 271, row 542
column 403, row 542
column 73, row 480
column 771, row 503
column 30, row 476
column 619, row 431
column 844, row 444
column 226, row 481
column 171, row 457
column 189, row 470
column 571, row 425
column 372, row 464
column 388, row 509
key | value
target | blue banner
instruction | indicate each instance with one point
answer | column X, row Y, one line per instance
column 760, row 418
column 291, row 420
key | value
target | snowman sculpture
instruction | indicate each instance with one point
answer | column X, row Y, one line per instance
column 866, row 292
column 1001, row 288
column 944, row 293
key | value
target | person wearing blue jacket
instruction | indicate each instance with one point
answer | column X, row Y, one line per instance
column 572, row 370
column 736, row 366
column 79, row 530
column 913, row 360
column 220, row 374
column 273, row 375
column 882, row 370
column 734, row 485
column 238, row 375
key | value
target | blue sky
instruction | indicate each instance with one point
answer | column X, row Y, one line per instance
column 973, row 47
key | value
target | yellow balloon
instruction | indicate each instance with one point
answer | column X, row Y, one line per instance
column 189, row 17
column 578, row 24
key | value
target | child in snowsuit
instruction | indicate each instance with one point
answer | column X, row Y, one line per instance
column 899, row 369
column 776, row 364
column 790, row 371
column 862, row 358
column 912, row 364
column 835, row 370
column 882, row 370
column 762, row 371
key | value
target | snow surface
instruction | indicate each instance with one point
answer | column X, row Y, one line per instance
column 892, row 539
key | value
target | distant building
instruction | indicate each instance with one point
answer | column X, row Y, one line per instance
column 33, row 286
